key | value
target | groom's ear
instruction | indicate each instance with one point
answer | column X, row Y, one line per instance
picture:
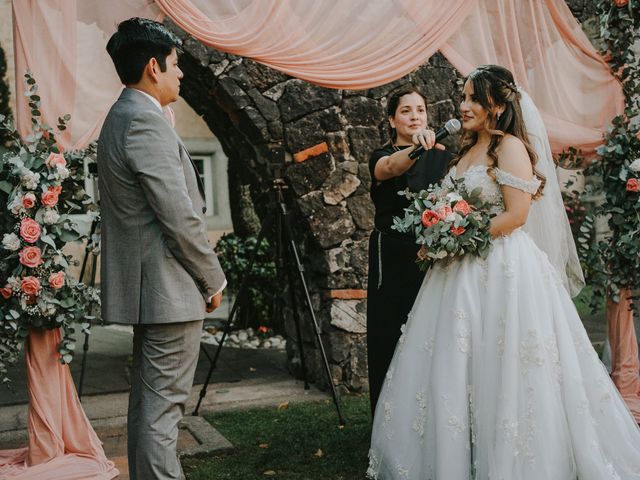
column 152, row 70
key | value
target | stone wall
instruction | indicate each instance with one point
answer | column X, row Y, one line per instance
column 327, row 136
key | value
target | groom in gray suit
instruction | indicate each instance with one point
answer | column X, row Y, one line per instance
column 158, row 272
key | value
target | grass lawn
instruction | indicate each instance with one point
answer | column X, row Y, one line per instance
column 300, row 442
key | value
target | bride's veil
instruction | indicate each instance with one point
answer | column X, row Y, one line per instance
column 547, row 223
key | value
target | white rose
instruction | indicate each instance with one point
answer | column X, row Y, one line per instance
column 29, row 179
column 10, row 241
column 50, row 216
column 14, row 283
column 635, row 165
column 47, row 309
column 16, row 206
column 61, row 172
column 452, row 217
column 453, row 197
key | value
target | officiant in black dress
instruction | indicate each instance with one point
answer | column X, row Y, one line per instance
column 394, row 277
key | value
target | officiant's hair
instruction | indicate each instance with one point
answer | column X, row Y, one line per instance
column 137, row 41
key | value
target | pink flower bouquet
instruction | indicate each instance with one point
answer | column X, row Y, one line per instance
column 447, row 223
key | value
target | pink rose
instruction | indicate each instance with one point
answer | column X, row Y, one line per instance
column 462, row 207
column 30, row 257
column 30, row 286
column 57, row 189
column 444, row 211
column 50, row 197
column 632, row 185
column 55, row 160
column 6, row 292
column 621, row 3
column 457, row 231
column 56, row 280
column 28, row 200
column 429, row 217
column 30, row 230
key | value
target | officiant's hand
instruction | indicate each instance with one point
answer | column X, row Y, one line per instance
column 426, row 138
column 215, row 302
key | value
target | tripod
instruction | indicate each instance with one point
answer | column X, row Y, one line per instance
column 89, row 250
column 287, row 255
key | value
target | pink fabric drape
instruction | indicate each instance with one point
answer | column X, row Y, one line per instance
column 625, row 366
column 62, row 43
column 552, row 59
column 62, row 443
column 356, row 44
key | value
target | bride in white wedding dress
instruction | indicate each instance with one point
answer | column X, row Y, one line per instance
column 494, row 377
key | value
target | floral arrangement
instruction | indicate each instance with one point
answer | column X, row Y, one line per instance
column 612, row 262
column 447, row 223
column 41, row 188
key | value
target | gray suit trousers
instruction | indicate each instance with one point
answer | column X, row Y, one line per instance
column 164, row 363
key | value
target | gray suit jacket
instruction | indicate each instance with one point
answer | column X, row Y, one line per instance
column 156, row 263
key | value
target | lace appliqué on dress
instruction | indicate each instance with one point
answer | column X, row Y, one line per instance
column 528, row 186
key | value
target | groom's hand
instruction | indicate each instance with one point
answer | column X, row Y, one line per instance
column 214, row 303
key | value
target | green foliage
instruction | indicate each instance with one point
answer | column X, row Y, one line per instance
column 298, row 443
column 612, row 262
column 256, row 308
column 41, row 188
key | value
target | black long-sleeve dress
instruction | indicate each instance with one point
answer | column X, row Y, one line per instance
column 394, row 277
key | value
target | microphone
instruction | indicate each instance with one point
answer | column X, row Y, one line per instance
column 452, row 126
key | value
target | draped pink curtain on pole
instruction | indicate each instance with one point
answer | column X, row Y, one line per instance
column 552, row 59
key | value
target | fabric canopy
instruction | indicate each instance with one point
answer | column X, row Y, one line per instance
column 353, row 45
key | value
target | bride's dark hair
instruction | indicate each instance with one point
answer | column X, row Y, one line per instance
column 494, row 86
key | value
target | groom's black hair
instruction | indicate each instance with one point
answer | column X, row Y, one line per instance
column 137, row 41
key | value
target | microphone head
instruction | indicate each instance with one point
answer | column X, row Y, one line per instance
column 452, row 126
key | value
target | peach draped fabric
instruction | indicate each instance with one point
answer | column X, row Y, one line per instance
column 356, row 45
column 544, row 46
column 62, row 43
column 62, row 443
column 624, row 352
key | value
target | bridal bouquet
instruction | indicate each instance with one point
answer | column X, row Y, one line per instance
column 447, row 223
column 41, row 189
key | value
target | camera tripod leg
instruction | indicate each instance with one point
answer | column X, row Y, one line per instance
column 227, row 326
column 293, row 249
column 284, row 257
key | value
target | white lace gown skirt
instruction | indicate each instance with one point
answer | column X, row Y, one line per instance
column 495, row 378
